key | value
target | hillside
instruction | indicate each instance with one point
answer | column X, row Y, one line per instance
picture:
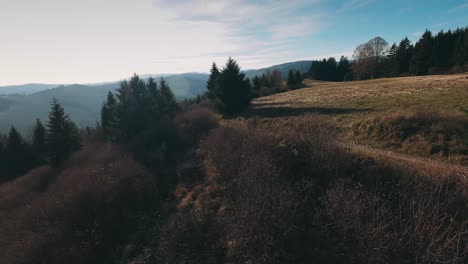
column 26, row 88
column 372, row 112
column 302, row 66
column 82, row 102
column 289, row 181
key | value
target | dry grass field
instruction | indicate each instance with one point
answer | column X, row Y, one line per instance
column 421, row 116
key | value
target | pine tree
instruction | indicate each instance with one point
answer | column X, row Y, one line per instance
column 291, row 81
column 403, row 56
column 422, row 55
column 39, row 147
column 344, row 67
column 62, row 135
column 168, row 101
column 109, row 116
column 298, row 78
column 257, row 85
column 233, row 94
column 264, row 81
column 17, row 154
column 212, row 84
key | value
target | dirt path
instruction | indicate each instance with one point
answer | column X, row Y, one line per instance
column 426, row 165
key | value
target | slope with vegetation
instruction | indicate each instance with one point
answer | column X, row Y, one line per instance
column 273, row 181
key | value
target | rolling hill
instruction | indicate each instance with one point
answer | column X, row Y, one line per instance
column 81, row 102
column 302, row 66
column 20, row 105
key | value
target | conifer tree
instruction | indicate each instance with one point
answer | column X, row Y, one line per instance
column 168, row 101
column 39, row 147
column 212, row 84
column 233, row 94
column 291, row 81
column 109, row 116
column 298, row 78
column 62, row 135
column 257, row 85
column 422, row 56
column 17, row 154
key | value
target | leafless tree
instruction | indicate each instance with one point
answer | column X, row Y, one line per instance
column 368, row 56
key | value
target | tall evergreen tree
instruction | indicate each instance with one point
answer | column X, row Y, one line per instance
column 212, row 82
column 298, row 78
column 291, row 81
column 344, row 66
column 18, row 155
column 109, row 116
column 257, row 84
column 39, row 147
column 233, row 94
column 422, row 55
column 403, row 56
column 62, row 134
column 168, row 103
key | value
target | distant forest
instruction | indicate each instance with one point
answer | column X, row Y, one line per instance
column 444, row 52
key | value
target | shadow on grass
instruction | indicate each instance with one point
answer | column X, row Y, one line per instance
column 272, row 112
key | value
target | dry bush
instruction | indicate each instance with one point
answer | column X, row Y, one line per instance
column 413, row 227
column 82, row 214
column 272, row 178
column 195, row 123
column 421, row 132
column 193, row 234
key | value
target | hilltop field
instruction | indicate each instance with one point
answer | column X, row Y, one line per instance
column 421, row 116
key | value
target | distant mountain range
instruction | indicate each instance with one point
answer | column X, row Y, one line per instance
column 20, row 105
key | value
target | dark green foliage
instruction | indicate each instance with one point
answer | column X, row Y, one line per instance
column 17, row 158
column 211, row 84
column 291, row 81
column 232, row 89
column 38, row 145
column 422, row 57
column 330, row 70
column 109, row 116
column 167, row 101
column 256, row 83
column 140, row 118
column 402, row 58
column 294, row 80
column 63, row 137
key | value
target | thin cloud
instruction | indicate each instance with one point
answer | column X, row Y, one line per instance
column 253, row 27
column 353, row 5
column 458, row 8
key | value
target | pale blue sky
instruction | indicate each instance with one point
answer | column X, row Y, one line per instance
column 82, row 41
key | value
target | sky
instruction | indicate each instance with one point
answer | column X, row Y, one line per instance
column 86, row 41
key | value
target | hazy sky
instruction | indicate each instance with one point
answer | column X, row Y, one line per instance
column 81, row 41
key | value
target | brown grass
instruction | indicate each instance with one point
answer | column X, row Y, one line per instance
column 422, row 132
column 293, row 195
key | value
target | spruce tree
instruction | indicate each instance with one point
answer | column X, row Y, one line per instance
column 17, row 154
column 62, row 135
column 298, row 78
column 344, row 67
column 233, row 94
column 168, row 101
column 212, row 84
column 291, row 81
column 39, row 147
column 109, row 116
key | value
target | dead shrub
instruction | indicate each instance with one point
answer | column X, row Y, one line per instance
column 421, row 132
column 195, row 123
column 415, row 227
column 82, row 215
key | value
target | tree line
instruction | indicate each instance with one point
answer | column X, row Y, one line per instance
column 50, row 144
column 444, row 52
